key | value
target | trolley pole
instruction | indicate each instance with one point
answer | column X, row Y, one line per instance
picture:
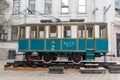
column 105, row 11
column 104, row 14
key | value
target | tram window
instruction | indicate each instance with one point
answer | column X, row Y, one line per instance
column 53, row 31
column 41, row 32
column 22, row 32
column 102, row 31
column 89, row 31
column 67, row 32
column 33, row 32
column 81, row 31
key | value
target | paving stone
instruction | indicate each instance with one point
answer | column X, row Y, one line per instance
column 44, row 75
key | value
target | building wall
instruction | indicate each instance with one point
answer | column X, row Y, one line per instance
column 89, row 16
column 5, row 47
column 113, row 26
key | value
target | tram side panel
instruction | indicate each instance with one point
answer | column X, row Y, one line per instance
column 101, row 41
column 88, row 46
column 23, row 42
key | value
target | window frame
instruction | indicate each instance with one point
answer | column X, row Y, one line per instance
column 13, row 33
column 82, row 6
column 117, row 7
column 106, row 34
column 56, row 31
column 1, row 32
column 36, row 34
column 66, row 6
column 45, row 3
column 93, row 31
column 29, row 3
column 20, row 32
column 83, row 31
column 15, row 7
column 2, row 9
column 38, row 29
column 64, row 31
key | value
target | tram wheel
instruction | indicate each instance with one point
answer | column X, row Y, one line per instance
column 28, row 54
column 47, row 58
column 76, row 59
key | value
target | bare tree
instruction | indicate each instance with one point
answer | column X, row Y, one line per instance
column 4, row 5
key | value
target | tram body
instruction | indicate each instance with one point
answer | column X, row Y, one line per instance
column 75, row 40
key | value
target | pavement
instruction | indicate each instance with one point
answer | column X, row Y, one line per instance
column 44, row 75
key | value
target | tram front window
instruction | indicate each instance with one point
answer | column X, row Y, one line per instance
column 53, row 31
column 33, row 32
column 102, row 31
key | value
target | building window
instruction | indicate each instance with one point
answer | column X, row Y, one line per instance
column 53, row 30
column 14, row 33
column 64, row 6
column 1, row 32
column 82, row 6
column 32, row 6
column 48, row 6
column 67, row 31
column 80, row 31
column 2, row 6
column 16, row 6
column 117, row 6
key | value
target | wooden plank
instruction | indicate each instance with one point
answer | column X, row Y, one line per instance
column 92, row 65
column 92, row 70
column 114, row 69
column 56, row 69
column 34, row 69
column 24, row 68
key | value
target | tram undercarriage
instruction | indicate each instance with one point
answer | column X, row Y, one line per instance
column 48, row 57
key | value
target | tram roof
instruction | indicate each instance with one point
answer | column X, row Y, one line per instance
column 63, row 23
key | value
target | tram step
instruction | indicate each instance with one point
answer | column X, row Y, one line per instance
column 90, row 55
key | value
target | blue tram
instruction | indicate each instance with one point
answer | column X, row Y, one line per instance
column 76, row 41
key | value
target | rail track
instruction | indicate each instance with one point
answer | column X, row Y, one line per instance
column 36, row 64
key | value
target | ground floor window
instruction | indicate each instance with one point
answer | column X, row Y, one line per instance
column 118, row 45
column 1, row 32
column 14, row 33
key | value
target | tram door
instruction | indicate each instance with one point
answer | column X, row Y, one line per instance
column 118, row 45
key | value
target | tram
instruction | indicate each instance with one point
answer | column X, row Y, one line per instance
column 77, row 41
